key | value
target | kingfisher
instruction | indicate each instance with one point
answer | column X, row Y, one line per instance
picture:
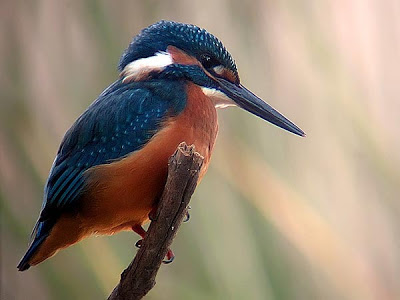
column 111, row 166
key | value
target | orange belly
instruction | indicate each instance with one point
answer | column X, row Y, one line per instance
column 121, row 194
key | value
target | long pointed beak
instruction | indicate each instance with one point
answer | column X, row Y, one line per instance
column 250, row 102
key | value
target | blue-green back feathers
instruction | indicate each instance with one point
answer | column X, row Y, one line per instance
column 120, row 121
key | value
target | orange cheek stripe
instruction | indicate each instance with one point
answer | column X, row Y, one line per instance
column 228, row 74
column 181, row 57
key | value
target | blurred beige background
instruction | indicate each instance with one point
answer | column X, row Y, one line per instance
column 277, row 216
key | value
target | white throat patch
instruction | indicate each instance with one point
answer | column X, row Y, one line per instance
column 219, row 99
column 140, row 68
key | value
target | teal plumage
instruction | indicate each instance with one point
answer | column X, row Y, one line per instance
column 122, row 120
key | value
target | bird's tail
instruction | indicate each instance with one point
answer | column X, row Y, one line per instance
column 40, row 233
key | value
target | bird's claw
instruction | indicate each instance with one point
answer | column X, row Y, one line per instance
column 139, row 243
column 187, row 215
column 169, row 258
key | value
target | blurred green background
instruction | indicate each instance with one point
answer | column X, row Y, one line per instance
column 277, row 216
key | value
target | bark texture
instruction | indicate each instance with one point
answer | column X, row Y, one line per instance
column 183, row 173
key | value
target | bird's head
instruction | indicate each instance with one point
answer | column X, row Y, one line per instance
column 172, row 50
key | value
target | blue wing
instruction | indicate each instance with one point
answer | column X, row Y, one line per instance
column 120, row 121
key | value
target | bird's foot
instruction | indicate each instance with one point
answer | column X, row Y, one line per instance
column 139, row 243
column 140, row 231
column 169, row 258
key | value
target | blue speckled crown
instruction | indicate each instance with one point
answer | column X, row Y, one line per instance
column 190, row 38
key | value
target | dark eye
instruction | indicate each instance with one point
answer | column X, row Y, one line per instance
column 208, row 61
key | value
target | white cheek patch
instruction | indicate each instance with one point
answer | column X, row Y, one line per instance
column 219, row 99
column 140, row 68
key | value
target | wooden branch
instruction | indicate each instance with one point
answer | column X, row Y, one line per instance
column 183, row 172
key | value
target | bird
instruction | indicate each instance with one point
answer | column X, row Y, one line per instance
column 111, row 166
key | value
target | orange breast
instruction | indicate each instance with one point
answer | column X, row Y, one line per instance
column 122, row 194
